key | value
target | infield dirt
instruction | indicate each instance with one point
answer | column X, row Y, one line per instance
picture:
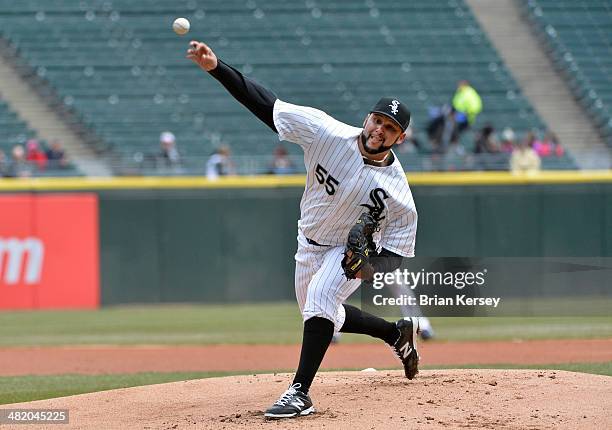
column 448, row 399
column 258, row 358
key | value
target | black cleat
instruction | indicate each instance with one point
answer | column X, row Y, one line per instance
column 291, row 404
column 405, row 347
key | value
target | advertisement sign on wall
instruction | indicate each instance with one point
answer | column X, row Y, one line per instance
column 49, row 251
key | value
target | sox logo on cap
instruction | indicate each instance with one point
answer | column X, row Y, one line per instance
column 394, row 105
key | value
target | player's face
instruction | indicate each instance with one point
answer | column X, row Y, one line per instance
column 380, row 132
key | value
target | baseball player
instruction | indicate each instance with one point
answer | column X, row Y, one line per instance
column 357, row 218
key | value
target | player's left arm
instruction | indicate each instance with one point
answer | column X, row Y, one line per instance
column 360, row 257
column 384, row 262
column 397, row 242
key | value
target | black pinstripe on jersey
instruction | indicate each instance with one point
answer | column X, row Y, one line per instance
column 327, row 218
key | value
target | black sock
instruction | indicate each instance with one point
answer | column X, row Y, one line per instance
column 318, row 334
column 361, row 322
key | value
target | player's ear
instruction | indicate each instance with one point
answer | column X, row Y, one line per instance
column 401, row 138
column 366, row 119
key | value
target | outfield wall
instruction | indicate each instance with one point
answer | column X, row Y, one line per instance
column 190, row 240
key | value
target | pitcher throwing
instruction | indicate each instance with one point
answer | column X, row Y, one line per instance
column 357, row 218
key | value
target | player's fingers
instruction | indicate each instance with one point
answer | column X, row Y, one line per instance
column 195, row 47
column 194, row 53
column 200, row 46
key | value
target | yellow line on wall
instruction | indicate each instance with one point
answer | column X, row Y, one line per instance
column 271, row 181
column 507, row 178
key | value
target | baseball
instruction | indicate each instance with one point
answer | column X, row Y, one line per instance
column 181, row 26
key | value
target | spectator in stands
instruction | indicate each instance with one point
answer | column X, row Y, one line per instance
column 168, row 153
column 524, row 159
column 486, row 142
column 440, row 128
column 549, row 146
column 220, row 163
column 18, row 167
column 507, row 140
column 558, row 150
column 486, row 149
column 467, row 105
column 56, row 156
column 530, row 139
column 281, row 163
column 35, row 155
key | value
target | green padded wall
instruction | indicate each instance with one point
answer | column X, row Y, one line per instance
column 236, row 245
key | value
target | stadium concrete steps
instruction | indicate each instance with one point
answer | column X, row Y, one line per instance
column 537, row 77
column 32, row 109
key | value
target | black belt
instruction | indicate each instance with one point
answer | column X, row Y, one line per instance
column 312, row 242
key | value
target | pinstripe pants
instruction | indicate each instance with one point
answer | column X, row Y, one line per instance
column 320, row 284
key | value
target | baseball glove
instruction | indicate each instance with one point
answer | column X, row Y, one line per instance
column 360, row 245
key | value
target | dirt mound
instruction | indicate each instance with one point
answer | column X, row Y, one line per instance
column 495, row 399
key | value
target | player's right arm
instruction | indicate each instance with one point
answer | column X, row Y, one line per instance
column 294, row 123
column 255, row 97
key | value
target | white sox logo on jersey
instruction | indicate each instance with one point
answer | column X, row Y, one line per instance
column 377, row 195
column 394, row 105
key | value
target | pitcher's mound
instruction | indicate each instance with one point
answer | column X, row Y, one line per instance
column 492, row 399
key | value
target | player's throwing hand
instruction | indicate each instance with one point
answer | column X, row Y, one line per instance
column 202, row 55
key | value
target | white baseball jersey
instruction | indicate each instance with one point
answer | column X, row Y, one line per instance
column 338, row 183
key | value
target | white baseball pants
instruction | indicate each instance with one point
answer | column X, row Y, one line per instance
column 320, row 284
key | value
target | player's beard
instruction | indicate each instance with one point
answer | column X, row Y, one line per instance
column 380, row 150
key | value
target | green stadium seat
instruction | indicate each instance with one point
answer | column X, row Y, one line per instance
column 117, row 65
column 579, row 33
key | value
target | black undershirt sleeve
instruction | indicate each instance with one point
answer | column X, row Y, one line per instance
column 256, row 98
column 386, row 261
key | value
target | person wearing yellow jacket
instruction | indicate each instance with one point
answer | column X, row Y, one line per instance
column 467, row 104
column 467, row 101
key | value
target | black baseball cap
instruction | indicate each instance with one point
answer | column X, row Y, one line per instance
column 394, row 109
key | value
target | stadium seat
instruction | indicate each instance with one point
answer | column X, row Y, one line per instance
column 578, row 34
column 121, row 69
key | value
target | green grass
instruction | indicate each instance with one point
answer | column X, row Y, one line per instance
column 165, row 324
column 15, row 389
column 278, row 323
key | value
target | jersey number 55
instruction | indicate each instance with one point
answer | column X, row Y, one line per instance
column 329, row 180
